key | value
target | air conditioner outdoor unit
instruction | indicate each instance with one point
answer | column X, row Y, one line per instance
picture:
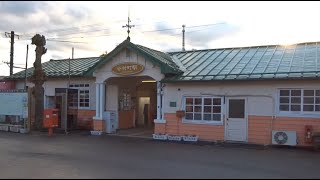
column 284, row 138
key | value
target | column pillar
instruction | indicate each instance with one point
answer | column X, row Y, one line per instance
column 158, row 100
column 159, row 123
column 98, row 122
column 97, row 100
column 102, row 98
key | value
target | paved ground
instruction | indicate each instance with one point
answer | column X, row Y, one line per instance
column 84, row 156
column 136, row 132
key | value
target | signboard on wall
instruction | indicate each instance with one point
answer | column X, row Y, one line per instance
column 14, row 103
column 126, row 69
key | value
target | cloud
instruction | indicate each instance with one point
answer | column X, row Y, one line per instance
column 166, row 29
column 55, row 56
column 29, row 18
column 197, row 36
column 201, row 37
column 59, row 47
column 20, row 8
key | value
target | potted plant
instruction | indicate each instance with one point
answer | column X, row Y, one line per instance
column 174, row 138
column 190, row 138
column 4, row 127
column 96, row 133
column 14, row 128
column 180, row 113
column 160, row 136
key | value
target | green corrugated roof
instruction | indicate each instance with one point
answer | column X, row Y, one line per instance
column 258, row 62
column 162, row 59
column 60, row 68
column 243, row 63
column 86, row 66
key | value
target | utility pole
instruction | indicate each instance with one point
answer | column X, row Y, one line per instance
column 183, row 26
column 67, row 95
column 11, row 35
column 25, row 72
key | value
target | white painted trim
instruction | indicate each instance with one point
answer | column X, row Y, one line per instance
column 102, row 98
column 298, row 115
column 82, row 108
column 293, row 113
column 183, row 105
column 245, row 116
column 219, row 123
column 158, row 100
column 159, row 121
column 97, row 99
column 97, row 118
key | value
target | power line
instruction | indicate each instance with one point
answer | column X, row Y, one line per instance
column 185, row 27
column 65, row 41
column 56, row 40
column 95, row 30
column 71, row 28
column 169, row 29
column 77, row 27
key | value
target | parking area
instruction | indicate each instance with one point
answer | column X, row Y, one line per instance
column 135, row 132
column 85, row 156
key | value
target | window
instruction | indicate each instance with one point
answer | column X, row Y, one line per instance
column 203, row 109
column 299, row 100
column 73, row 101
column 83, row 99
column 236, row 108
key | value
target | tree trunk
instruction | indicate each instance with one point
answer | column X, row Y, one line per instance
column 39, row 106
column 38, row 79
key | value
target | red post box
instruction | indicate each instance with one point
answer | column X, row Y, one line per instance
column 50, row 120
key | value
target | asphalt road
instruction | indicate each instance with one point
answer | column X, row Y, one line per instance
column 84, row 156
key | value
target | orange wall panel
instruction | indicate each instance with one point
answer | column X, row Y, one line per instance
column 260, row 127
column 99, row 125
column 159, row 128
column 174, row 126
column 85, row 118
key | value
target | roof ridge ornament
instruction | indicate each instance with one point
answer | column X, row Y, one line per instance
column 128, row 26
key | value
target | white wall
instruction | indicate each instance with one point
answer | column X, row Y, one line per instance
column 253, row 90
column 111, row 98
column 50, row 85
column 105, row 72
column 20, row 84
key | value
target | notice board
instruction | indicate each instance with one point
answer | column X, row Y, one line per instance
column 14, row 103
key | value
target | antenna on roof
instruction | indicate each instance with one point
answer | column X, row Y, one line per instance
column 183, row 26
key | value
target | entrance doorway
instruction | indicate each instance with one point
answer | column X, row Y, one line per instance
column 144, row 111
column 66, row 103
column 135, row 105
column 236, row 122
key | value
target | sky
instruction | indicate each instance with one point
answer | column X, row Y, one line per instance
column 95, row 27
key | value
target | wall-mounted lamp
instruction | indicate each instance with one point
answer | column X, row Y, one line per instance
column 149, row 81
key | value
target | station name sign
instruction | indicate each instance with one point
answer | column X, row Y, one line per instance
column 126, row 69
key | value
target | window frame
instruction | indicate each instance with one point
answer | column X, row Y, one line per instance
column 84, row 107
column 202, row 121
column 81, row 87
column 300, row 113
